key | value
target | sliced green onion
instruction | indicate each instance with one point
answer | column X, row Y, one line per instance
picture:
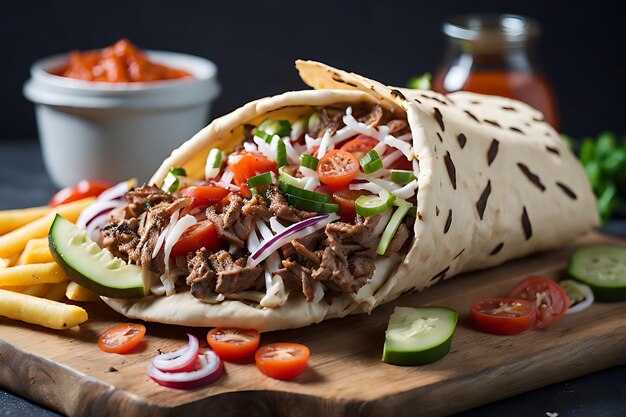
column 171, row 182
column 275, row 127
column 309, row 161
column 371, row 162
column 299, row 128
column 402, row 177
column 310, row 205
column 178, row 171
column 261, row 179
column 267, row 137
column 300, row 192
column 281, row 153
column 314, row 122
column 214, row 159
column 371, row 205
column 392, row 226
column 296, row 182
column 213, row 163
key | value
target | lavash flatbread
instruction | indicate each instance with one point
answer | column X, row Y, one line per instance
column 495, row 183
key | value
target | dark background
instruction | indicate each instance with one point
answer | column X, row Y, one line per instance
column 583, row 48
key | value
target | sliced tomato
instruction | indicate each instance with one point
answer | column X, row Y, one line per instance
column 282, row 360
column 503, row 315
column 549, row 298
column 360, row 145
column 245, row 165
column 201, row 235
column 244, row 191
column 337, row 169
column 122, row 337
column 205, row 195
column 345, row 199
column 233, row 344
column 84, row 189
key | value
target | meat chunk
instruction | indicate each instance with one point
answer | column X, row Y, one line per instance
column 232, row 277
column 297, row 277
column 362, row 265
column 306, row 253
column 201, row 277
column 397, row 126
column 135, row 238
column 359, row 232
column 282, row 210
column 373, row 117
column 398, row 240
column 142, row 198
column 334, row 269
column 224, row 233
column 232, row 211
column 256, row 207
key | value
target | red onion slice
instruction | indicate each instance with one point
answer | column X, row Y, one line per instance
column 117, row 191
column 182, row 359
column 209, row 369
column 270, row 245
column 95, row 225
column 95, row 209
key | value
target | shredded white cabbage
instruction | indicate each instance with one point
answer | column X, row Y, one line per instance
column 292, row 156
column 325, row 145
column 276, row 226
column 165, row 232
column 250, row 147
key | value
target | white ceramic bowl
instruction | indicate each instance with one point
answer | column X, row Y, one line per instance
column 111, row 131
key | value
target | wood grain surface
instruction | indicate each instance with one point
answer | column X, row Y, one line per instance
column 67, row 372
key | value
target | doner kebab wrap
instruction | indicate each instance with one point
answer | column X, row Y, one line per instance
column 316, row 204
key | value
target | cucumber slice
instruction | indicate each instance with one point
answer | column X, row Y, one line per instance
column 301, row 192
column 392, row 226
column 275, row 127
column 291, row 180
column 371, row 162
column 309, row 161
column 261, row 179
column 310, row 205
column 371, row 205
column 401, row 176
column 419, row 335
column 281, row 153
column 92, row 267
column 603, row 268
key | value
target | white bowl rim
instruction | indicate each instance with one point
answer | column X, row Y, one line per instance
column 205, row 70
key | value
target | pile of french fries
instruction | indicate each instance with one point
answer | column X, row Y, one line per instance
column 32, row 285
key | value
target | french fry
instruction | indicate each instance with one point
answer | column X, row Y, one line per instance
column 36, row 251
column 38, row 290
column 14, row 242
column 12, row 219
column 41, row 311
column 77, row 292
column 7, row 262
column 48, row 273
column 56, row 291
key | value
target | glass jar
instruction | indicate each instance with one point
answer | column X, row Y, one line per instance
column 494, row 54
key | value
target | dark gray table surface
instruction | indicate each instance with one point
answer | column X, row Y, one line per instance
column 24, row 183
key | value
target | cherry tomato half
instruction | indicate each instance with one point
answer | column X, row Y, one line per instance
column 205, row 195
column 360, row 145
column 84, row 189
column 337, row 169
column 282, row 360
column 245, row 165
column 345, row 199
column 201, row 235
column 550, row 299
column 233, row 344
column 503, row 315
column 122, row 337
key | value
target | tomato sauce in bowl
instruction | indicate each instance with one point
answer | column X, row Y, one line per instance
column 122, row 62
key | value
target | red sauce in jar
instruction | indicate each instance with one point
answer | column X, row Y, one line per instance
column 119, row 63
column 530, row 88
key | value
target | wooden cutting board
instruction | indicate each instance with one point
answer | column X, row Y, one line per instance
column 67, row 372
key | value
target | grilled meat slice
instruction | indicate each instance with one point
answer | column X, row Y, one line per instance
column 282, row 210
column 142, row 198
column 233, row 276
